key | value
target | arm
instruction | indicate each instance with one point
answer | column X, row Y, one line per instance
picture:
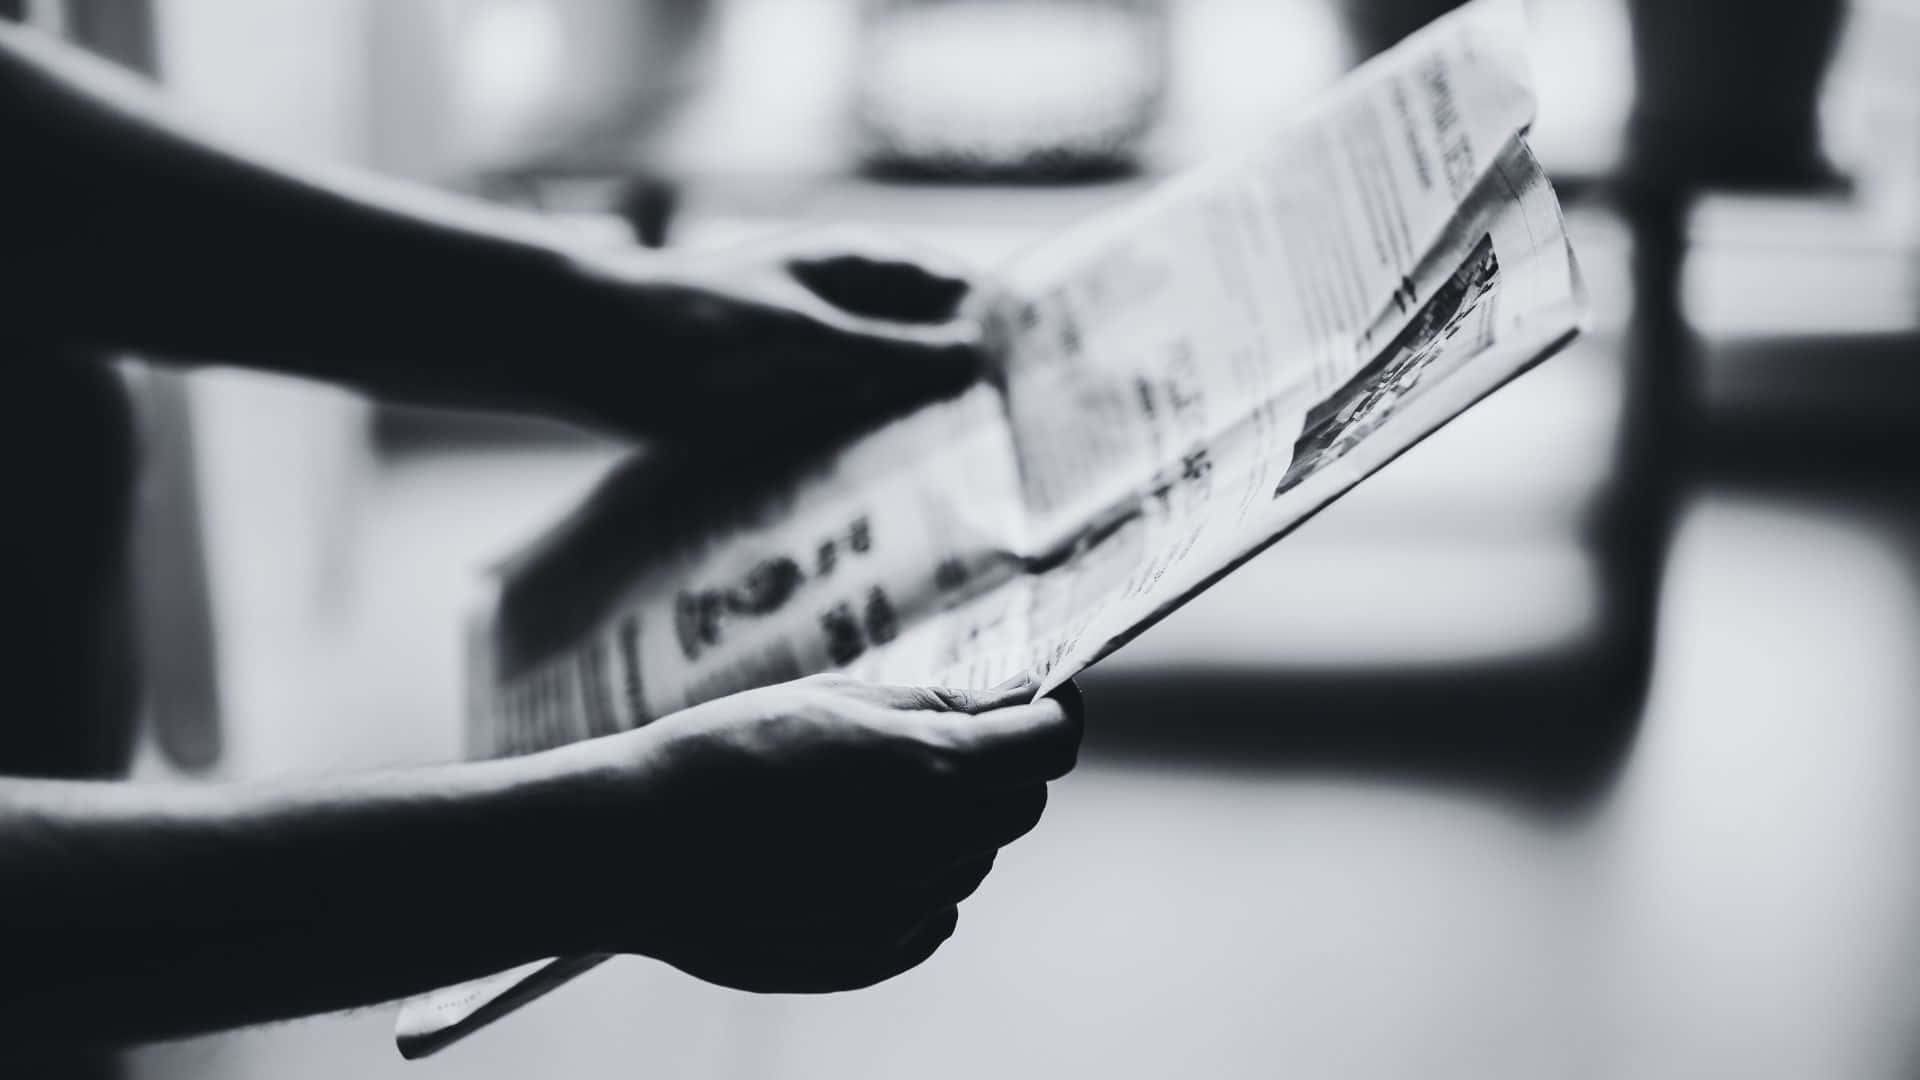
column 807, row 837
column 123, row 227
column 138, row 911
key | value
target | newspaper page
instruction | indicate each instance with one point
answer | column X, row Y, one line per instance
column 1175, row 386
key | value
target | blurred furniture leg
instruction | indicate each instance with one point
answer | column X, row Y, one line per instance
column 1726, row 96
column 1728, row 91
column 1375, row 25
column 172, row 612
column 1631, row 527
column 173, row 605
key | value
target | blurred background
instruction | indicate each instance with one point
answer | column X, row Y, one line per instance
column 1584, row 740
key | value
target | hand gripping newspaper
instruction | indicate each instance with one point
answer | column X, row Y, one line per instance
column 1173, row 387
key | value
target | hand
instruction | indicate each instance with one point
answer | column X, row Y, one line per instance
column 811, row 836
column 796, row 338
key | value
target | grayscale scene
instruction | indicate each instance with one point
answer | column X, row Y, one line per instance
column 897, row 539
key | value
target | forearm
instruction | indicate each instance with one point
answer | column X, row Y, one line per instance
column 135, row 911
column 126, row 228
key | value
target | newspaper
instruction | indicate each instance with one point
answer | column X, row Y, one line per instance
column 1174, row 387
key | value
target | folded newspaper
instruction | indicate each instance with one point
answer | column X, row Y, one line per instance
column 1173, row 387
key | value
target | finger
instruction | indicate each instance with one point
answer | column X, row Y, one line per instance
column 1069, row 696
column 894, row 339
column 783, row 312
column 789, row 961
column 885, row 361
column 1012, row 746
column 991, row 824
column 941, row 698
column 907, row 954
column 905, row 901
column 878, row 273
column 957, row 882
column 820, row 960
column 920, row 839
column 881, row 288
column 923, row 945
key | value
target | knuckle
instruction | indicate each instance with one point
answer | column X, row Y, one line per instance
column 938, row 699
column 1063, row 731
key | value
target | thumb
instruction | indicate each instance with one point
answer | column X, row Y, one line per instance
column 1017, row 745
column 892, row 359
column 881, row 288
column 1016, row 691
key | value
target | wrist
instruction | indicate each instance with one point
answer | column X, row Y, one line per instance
column 610, row 360
column 537, row 347
column 568, row 839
